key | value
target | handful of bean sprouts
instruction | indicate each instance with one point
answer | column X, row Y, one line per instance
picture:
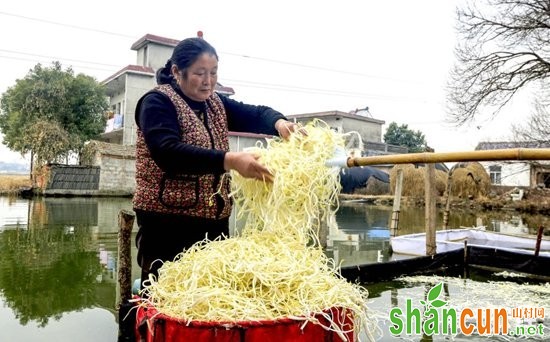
column 274, row 268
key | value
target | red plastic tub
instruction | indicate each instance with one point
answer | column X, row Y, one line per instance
column 154, row 327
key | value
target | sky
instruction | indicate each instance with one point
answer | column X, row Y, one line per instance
column 393, row 57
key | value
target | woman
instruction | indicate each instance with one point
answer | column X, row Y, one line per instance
column 182, row 152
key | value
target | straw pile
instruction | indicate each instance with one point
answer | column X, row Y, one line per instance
column 414, row 180
column 469, row 180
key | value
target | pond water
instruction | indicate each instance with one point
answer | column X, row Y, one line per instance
column 58, row 263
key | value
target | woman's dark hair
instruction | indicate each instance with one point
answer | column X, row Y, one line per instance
column 185, row 54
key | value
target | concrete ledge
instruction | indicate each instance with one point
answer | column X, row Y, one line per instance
column 88, row 193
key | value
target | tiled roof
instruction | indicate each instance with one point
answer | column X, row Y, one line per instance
column 154, row 39
column 498, row 145
column 73, row 177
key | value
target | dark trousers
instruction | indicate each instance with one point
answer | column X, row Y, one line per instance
column 163, row 236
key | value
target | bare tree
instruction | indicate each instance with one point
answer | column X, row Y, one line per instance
column 537, row 128
column 505, row 47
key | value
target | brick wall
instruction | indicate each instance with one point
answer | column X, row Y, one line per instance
column 117, row 175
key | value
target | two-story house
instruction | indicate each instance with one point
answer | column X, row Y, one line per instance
column 126, row 86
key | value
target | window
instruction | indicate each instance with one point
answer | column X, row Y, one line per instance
column 495, row 172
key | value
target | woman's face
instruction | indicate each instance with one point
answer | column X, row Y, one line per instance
column 200, row 79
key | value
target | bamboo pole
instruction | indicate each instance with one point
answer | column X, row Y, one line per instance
column 441, row 157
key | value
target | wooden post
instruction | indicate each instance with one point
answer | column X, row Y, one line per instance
column 125, row 225
column 394, row 295
column 430, row 209
column 31, row 167
column 394, row 224
column 466, row 252
column 447, row 200
column 539, row 240
column 126, row 321
column 465, row 267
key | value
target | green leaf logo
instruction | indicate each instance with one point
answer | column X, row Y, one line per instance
column 438, row 303
column 435, row 292
column 433, row 295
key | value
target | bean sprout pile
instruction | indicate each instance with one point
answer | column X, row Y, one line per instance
column 275, row 267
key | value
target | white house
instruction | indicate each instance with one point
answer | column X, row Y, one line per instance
column 517, row 173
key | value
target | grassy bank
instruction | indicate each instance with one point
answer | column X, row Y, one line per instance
column 11, row 184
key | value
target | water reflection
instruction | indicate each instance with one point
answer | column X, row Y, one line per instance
column 13, row 213
column 513, row 226
column 359, row 233
column 58, row 259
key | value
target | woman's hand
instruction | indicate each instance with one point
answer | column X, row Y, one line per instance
column 246, row 163
column 286, row 128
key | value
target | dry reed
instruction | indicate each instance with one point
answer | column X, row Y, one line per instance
column 11, row 184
